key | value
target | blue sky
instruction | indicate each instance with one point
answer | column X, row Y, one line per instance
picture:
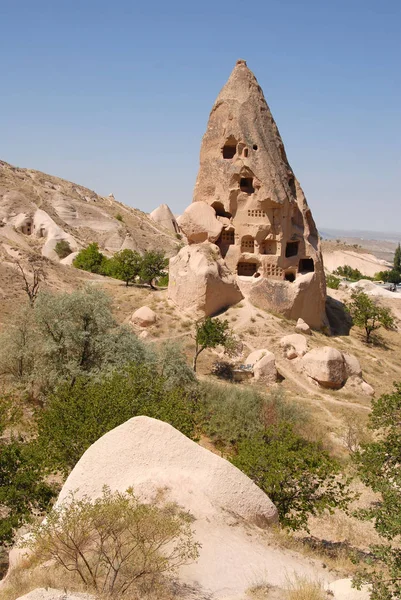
column 116, row 96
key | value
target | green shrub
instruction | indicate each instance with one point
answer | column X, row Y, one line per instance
column 163, row 280
column 119, row 217
column 368, row 315
column 63, row 249
column 75, row 417
column 115, row 544
column 153, row 266
column 91, row 259
column 332, row 282
column 298, row 476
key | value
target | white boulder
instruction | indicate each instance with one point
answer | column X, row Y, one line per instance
column 263, row 364
column 199, row 223
column 325, row 365
column 144, row 317
column 200, row 282
column 303, row 327
column 294, row 345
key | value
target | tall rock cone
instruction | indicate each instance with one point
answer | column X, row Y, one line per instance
column 269, row 238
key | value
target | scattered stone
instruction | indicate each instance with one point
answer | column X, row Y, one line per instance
column 164, row 217
column 325, row 365
column 270, row 240
column 200, row 282
column 144, row 317
column 352, row 365
column 303, row 327
column 367, row 389
column 199, row 223
column 294, row 345
column 263, row 364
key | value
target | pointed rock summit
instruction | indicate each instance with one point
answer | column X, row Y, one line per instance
column 269, row 238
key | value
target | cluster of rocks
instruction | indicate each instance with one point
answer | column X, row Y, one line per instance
column 248, row 203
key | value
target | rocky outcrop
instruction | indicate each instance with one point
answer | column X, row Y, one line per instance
column 200, row 282
column 268, row 236
column 144, row 317
column 199, row 223
column 332, row 369
column 151, row 455
column 263, row 365
column 303, row 327
column 294, row 346
column 164, row 217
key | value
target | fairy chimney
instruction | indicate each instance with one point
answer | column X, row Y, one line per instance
column 269, row 238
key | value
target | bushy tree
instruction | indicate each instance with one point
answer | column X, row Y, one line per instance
column 64, row 336
column 153, row 266
column 91, row 259
column 367, row 314
column 125, row 265
column 75, row 417
column 397, row 259
column 332, row 282
column 62, row 249
column 210, row 333
column 115, row 544
column 23, row 488
column 350, row 273
column 378, row 465
column 298, row 475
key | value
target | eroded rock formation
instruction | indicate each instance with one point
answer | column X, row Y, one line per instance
column 268, row 238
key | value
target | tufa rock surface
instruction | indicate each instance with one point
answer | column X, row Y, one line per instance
column 268, row 238
column 144, row 317
column 200, row 282
column 164, row 217
column 294, row 345
column 200, row 224
column 326, row 366
column 263, row 365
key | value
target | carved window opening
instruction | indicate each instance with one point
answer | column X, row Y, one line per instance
column 274, row 271
column 268, row 247
column 289, row 276
column 246, row 269
column 230, row 148
column 227, row 238
column 246, row 185
column 248, row 244
column 245, row 152
column 306, row 265
column 255, row 147
column 257, row 213
column 27, row 228
column 291, row 249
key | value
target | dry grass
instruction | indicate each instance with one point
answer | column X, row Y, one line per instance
column 302, row 588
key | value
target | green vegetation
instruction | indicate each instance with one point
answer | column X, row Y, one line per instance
column 394, row 275
column 297, row 475
column 75, row 417
column 23, row 489
column 332, row 282
column 210, row 333
column 116, row 544
column 62, row 249
column 153, row 266
column 367, row 314
column 126, row 265
column 378, row 464
column 350, row 273
column 119, row 217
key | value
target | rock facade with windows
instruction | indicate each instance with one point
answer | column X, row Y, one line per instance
column 268, row 237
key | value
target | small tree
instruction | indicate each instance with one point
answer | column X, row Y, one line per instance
column 397, row 259
column 367, row 314
column 332, row 282
column 63, row 249
column 125, row 265
column 298, row 476
column 378, row 465
column 210, row 333
column 153, row 265
column 115, row 543
column 31, row 282
column 90, row 259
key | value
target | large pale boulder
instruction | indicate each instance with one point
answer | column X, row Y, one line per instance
column 325, row 365
column 352, row 365
column 263, row 364
column 45, row 227
column 199, row 223
column 144, row 317
column 200, row 282
column 164, row 217
column 294, row 345
column 151, row 455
